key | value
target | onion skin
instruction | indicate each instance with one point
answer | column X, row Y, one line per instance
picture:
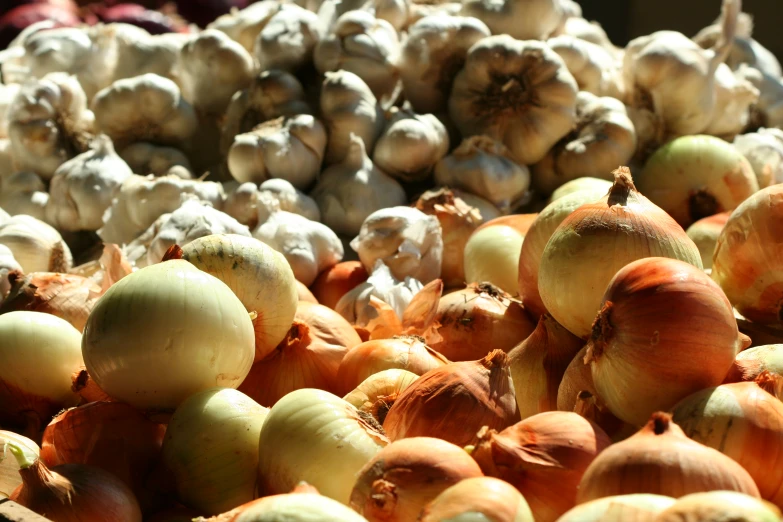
column 495, row 499
column 336, row 281
column 660, row 459
column 705, row 233
column 304, row 293
column 519, row 222
column 750, row 363
column 9, row 467
column 544, row 457
column 84, row 386
column 621, row 508
column 720, row 505
column 406, row 475
column 666, row 330
column 378, row 392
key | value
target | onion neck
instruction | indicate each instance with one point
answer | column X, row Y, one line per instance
column 659, row 424
column 298, row 335
column 602, row 332
column 622, row 188
column 494, row 360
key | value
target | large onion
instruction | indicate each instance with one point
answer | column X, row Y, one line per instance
column 637, row 507
column 480, row 498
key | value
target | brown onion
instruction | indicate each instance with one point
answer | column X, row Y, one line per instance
column 454, row 401
column 480, row 318
column 705, row 233
column 544, row 457
column 576, row 379
column 304, row 293
column 308, row 357
column 338, row 280
column 665, row 330
column 378, row 392
column 662, row 460
column 403, row 352
column 406, row 475
column 485, row 497
column 620, row 508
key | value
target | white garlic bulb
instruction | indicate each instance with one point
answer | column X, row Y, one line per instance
column 521, row 19
column 592, row 32
column 768, row 109
column 139, row 52
column 147, row 158
column 734, row 96
column 593, row 67
column 291, row 199
column 396, row 12
column 24, row 193
column 243, row 25
column 7, row 95
column 251, row 204
column 764, row 150
column 287, row 40
column 36, row 246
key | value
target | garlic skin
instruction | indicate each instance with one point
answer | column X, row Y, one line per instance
column 485, row 167
column 147, row 158
column 350, row 191
column 764, row 151
column 406, row 239
column 36, row 246
column 348, row 106
column 145, row 108
column 243, row 25
column 291, row 199
column 139, row 52
column 7, row 264
column 418, row 12
column 593, row 67
column 287, row 40
column 7, row 95
column 768, row 110
column 521, row 19
column 289, row 148
column 251, row 204
column 432, row 54
column 82, row 188
column 211, row 68
column 309, row 246
column 141, row 200
column 411, row 145
column 517, row 92
column 396, row 12
column 362, row 44
column 603, row 138
column 734, row 97
column 592, row 32
column 24, row 193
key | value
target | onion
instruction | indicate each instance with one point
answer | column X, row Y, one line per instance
column 312, row 435
column 304, row 294
column 544, row 457
column 37, row 246
column 598, row 239
column 705, row 233
column 660, row 459
column 406, row 475
column 454, row 401
column 538, row 364
column 258, row 275
column 694, row 177
column 72, row 492
column 378, row 392
column 665, row 331
column 9, row 467
column 38, row 354
column 403, row 352
column 84, row 385
column 308, row 356
column 335, row 282
column 750, row 363
column 578, row 185
column 748, row 257
column 109, row 435
column 478, row 498
column 636, row 507
column 720, row 505
column 478, row 319
column 211, row 448
column 166, row 332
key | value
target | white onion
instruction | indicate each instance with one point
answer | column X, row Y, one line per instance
column 9, row 466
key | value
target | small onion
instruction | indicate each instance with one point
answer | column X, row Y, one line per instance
column 720, row 505
column 478, row 498
column 406, row 475
column 378, row 392
column 639, row 507
column 704, row 233
column 335, row 282
column 9, row 467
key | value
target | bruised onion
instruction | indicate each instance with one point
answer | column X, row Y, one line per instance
column 377, row 393
column 486, row 498
column 335, row 282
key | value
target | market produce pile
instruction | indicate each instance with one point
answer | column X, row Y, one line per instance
column 388, row 261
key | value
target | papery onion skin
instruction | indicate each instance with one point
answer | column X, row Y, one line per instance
column 484, row 497
column 9, row 468
column 748, row 257
column 406, row 475
column 335, row 282
column 666, row 330
column 304, row 294
column 704, row 233
column 544, row 457
column 639, row 507
column 377, row 393
column 580, row 185
column 491, row 255
column 660, row 459
column 720, row 505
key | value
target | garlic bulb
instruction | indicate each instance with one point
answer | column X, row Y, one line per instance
column 251, row 204
column 309, row 246
column 411, row 145
column 594, row 68
column 348, row 106
column 211, row 68
column 139, row 52
column 141, row 200
column 362, row 44
column 24, row 193
column 486, row 168
column 768, row 109
column 289, row 148
column 291, row 199
column 396, row 12
column 517, row 92
column 287, row 40
column 82, row 188
column 7, row 95
column 764, row 151
column 351, row 190
column 521, row 19
column 144, row 108
column 418, row 12
column 586, row 30
column 407, row 240
column 243, row 25
column 432, row 54
column 734, row 98
column 603, row 138
column 7, row 264
column 147, row 158
column 36, row 246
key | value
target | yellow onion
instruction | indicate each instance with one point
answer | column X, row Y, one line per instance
column 406, row 475
column 68, row 296
column 480, row 499
column 338, row 280
column 693, row 177
column 211, row 449
column 402, row 352
column 258, row 275
column 750, row 363
column 714, row 506
column 377, row 393
column 544, row 457
column 9, row 467
column 597, row 240
column 308, row 357
column 454, row 401
column 304, row 293
column 538, row 364
column 537, row 237
column 581, row 185
column 84, row 386
column 660, row 459
column 314, row 436
column 665, row 330
column 705, row 233
column 748, row 257
column 478, row 319
column 620, row 508
column 576, row 378
column 744, row 422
